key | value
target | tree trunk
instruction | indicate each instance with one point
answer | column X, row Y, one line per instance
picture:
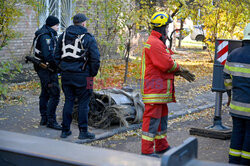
column 180, row 37
column 127, row 56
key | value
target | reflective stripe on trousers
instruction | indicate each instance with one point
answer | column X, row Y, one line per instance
column 154, row 128
column 239, row 152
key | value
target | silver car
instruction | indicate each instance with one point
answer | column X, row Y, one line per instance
column 198, row 33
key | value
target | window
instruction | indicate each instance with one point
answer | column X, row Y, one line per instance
column 62, row 9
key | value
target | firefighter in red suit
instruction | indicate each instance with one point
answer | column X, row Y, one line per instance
column 157, row 86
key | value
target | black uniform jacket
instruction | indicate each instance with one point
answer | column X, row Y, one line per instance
column 72, row 71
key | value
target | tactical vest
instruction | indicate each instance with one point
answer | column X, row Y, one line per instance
column 73, row 49
column 35, row 50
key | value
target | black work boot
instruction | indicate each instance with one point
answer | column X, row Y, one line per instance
column 43, row 121
column 163, row 151
column 151, row 155
column 86, row 135
column 65, row 133
column 54, row 125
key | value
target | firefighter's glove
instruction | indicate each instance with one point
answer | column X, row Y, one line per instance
column 185, row 74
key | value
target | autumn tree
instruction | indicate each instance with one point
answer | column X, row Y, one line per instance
column 115, row 23
column 10, row 11
column 225, row 19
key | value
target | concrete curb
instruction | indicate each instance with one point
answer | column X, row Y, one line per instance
column 110, row 133
column 137, row 126
column 194, row 110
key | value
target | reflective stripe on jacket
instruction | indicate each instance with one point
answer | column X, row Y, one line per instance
column 237, row 79
column 157, row 71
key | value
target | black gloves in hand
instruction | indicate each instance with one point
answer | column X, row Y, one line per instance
column 185, row 74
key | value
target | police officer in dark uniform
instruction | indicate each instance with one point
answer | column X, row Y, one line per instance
column 78, row 58
column 44, row 46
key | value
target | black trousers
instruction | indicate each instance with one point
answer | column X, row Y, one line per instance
column 239, row 152
column 50, row 93
column 83, row 95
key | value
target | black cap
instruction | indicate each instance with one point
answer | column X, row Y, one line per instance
column 51, row 21
column 78, row 18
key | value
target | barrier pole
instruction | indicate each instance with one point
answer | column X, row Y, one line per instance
column 217, row 124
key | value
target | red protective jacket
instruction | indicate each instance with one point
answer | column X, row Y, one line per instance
column 157, row 71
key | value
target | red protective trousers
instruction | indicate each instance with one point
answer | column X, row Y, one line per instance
column 154, row 128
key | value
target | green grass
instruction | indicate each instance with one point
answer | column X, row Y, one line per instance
column 192, row 42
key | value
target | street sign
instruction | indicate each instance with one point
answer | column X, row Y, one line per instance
column 223, row 47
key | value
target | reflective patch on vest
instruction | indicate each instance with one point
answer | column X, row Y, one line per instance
column 48, row 41
column 74, row 47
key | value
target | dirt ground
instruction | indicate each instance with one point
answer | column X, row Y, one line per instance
column 209, row 149
column 19, row 112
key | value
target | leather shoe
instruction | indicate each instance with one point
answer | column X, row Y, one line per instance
column 43, row 121
column 54, row 125
column 65, row 134
column 163, row 151
column 86, row 135
column 151, row 155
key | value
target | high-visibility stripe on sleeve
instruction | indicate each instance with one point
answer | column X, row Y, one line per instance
column 226, row 69
column 143, row 68
column 245, row 155
column 147, row 45
column 173, row 68
column 234, row 152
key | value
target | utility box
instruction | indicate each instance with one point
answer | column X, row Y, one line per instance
column 223, row 47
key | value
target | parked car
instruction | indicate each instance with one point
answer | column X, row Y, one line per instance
column 185, row 32
column 198, row 33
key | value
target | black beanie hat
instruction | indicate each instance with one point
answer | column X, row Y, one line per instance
column 51, row 21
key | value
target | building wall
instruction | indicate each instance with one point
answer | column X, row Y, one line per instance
column 19, row 47
column 27, row 25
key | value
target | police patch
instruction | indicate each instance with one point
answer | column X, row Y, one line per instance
column 48, row 41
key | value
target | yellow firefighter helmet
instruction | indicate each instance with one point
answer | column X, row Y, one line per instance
column 160, row 19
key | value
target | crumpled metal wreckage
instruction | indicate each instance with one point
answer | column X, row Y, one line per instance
column 114, row 106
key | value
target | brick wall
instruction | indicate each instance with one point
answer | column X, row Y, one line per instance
column 19, row 47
